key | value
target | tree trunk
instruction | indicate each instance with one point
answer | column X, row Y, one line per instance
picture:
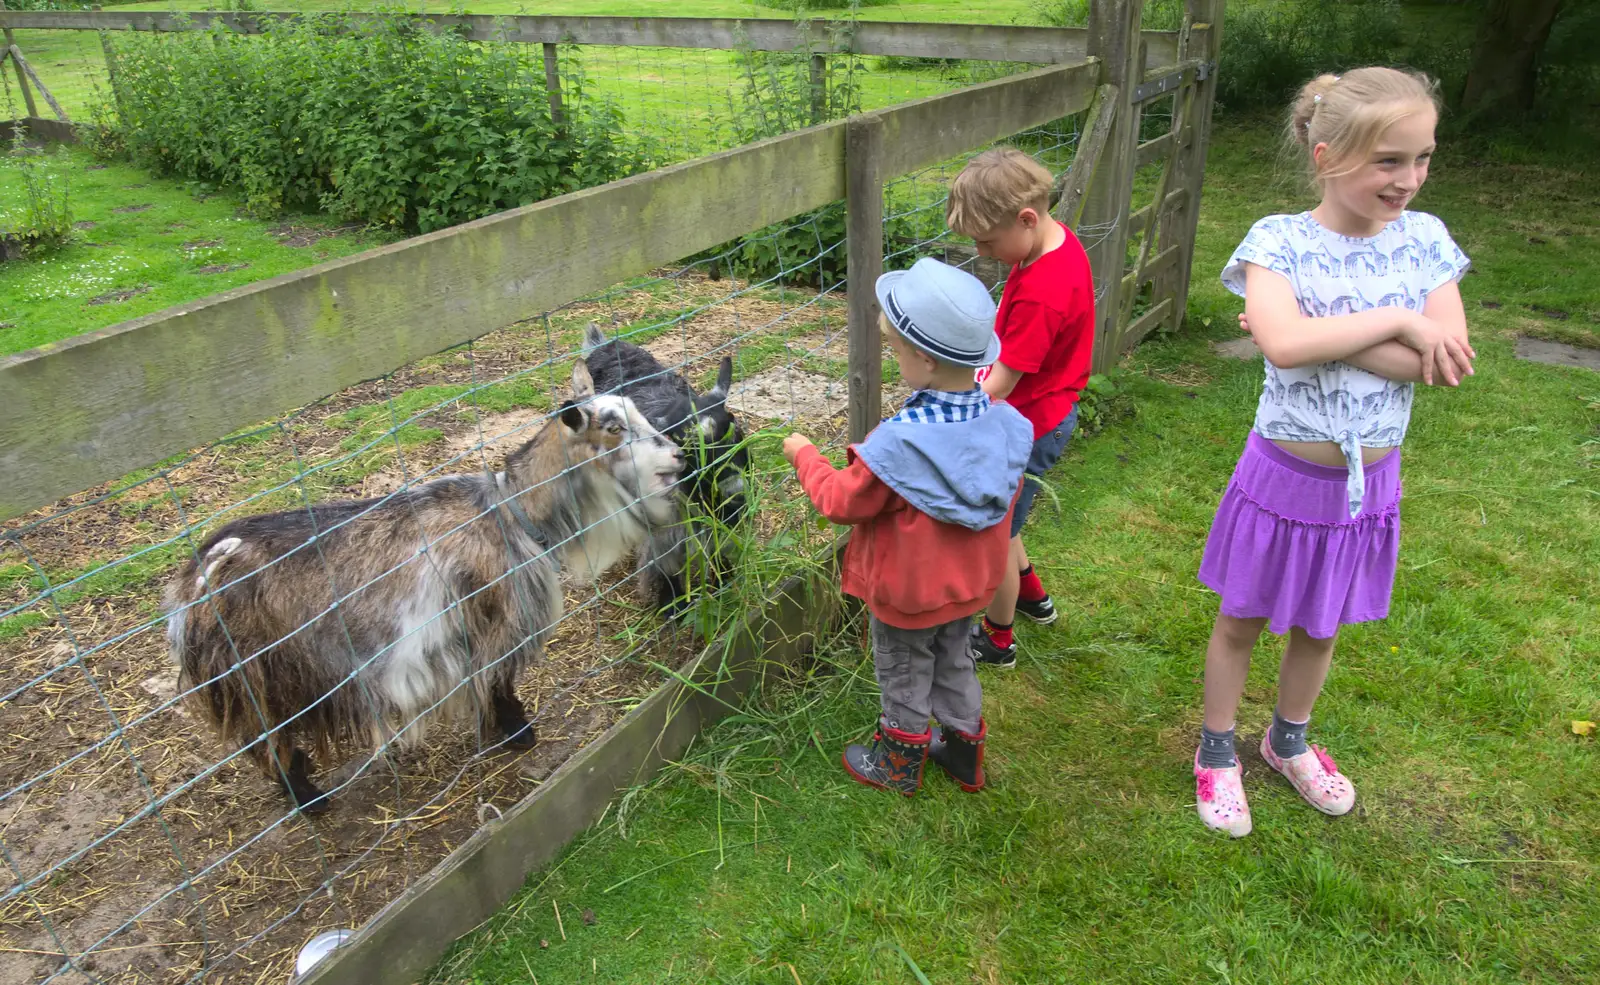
column 1505, row 60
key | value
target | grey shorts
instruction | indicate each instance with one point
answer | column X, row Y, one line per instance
column 927, row 673
column 1047, row 450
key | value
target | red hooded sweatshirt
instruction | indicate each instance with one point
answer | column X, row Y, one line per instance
column 914, row 571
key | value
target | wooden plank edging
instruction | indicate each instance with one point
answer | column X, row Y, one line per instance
column 468, row 886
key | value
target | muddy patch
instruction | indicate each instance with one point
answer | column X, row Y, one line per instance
column 115, row 297
column 1558, row 353
column 1244, row 348
column 290, row 234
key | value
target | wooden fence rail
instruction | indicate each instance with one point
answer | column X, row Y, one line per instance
column 981, row 42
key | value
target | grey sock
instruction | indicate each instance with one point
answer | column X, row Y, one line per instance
column 1287, row 738
column 1216, row 749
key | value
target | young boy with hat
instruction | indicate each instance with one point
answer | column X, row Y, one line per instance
column 929, row 493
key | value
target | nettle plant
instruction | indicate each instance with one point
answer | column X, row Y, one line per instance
column 36, row 214
column 777, row 93
column 395, row 126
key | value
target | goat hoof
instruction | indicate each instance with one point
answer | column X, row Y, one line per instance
column 520, row 736
column 311, row 801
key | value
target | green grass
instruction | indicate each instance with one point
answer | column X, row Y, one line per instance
column 1471, row 855
column 170, row 252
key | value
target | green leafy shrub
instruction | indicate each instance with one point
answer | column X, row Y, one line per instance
column 1101, row 401
column 397, row 126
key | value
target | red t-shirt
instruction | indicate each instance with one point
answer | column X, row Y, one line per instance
column 1046, row 329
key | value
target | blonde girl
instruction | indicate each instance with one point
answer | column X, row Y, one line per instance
column 1352, row 303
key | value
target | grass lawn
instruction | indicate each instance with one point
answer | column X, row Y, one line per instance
column 1472, row 853
column 145, row 244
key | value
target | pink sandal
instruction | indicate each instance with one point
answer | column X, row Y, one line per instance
column 1315, row 778
column 1219, row 798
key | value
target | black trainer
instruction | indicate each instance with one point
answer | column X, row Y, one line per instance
column 1041, row 611
column 986, row 653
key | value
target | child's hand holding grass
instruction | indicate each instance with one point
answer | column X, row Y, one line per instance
column 792, row 445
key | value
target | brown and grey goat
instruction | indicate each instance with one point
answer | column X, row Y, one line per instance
column 347, row 622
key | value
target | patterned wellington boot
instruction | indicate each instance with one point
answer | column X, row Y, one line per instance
column 892, row 762
column 960, row 754
column 1315, row 778
column 1219, row 798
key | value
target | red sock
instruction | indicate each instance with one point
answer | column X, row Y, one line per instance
column 1031, row 589
column 999, row 635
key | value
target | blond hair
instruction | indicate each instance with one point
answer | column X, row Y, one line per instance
column 993, row 188
column 1350, row 112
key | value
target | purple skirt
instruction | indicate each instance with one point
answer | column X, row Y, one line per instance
column 1284, row 547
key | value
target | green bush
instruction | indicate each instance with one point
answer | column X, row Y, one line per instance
column 1270, row 49
column 397, row 127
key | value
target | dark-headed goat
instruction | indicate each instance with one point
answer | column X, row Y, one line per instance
column 702, row 424
column 348, row 622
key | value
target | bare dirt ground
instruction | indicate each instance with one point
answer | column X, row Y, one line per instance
column 221, row 881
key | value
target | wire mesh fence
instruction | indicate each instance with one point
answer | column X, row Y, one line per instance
column 141, row 847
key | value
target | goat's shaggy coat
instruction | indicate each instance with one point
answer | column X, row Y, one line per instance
column 711, row 439
column 356, row 621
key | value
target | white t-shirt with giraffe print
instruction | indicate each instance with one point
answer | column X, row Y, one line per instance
column 1339, row 275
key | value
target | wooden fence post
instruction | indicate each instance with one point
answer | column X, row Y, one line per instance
column 819, row 87
column 110, row 53
column 1192, row 163
column 1114, row 39
column 22, row 78
column 552, row 83
column 863, row 162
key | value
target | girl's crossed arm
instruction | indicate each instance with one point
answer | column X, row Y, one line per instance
column 1397, row 361
column 1435, row 340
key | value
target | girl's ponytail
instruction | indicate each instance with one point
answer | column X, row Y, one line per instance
column 1305, row 107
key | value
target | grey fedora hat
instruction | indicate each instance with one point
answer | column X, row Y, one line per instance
column 943, row 311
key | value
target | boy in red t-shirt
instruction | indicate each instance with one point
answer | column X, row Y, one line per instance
column 1046, row 327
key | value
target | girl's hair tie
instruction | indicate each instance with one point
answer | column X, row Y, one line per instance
column 1317, row 98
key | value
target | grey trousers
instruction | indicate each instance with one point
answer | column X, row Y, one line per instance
column 927, row 672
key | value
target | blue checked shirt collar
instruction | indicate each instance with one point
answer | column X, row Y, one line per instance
column 942, row 407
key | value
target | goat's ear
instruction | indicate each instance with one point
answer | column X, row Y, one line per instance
column 573, row 417
column 724, row 376
column 582, row 382
column 593, row 337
